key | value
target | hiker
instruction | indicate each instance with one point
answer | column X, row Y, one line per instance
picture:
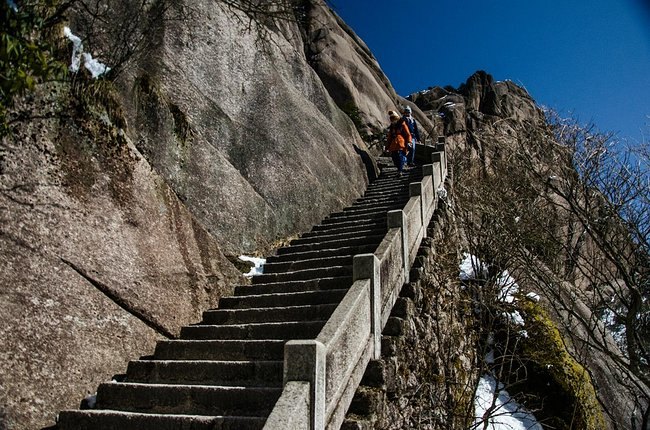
column 415, row 134
column 396, row 140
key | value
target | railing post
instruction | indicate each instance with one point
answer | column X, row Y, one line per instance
column 397, row 219
column 304, row 360
column 436, row 161
column 427, row 170
column 415, row 190
column 366, row 266
column 441, row 148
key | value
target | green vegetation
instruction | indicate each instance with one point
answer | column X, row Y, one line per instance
column 27, row 51
column 544, row 351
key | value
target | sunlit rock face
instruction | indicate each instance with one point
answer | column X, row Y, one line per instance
column 486, row 124
column 263, row 136
column 118, row 210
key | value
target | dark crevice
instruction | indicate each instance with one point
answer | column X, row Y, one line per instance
column 104, row 289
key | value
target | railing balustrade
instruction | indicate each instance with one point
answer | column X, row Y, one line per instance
column 322, row 374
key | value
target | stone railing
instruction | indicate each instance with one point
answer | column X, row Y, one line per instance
column 321, row 375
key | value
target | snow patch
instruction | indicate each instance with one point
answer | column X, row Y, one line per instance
column 494, row 407
column 442, row 193
column 95, row 67
column 472, row 268
column 533, row 297
column 259, row 263
column 508, row 287
column 514, row 317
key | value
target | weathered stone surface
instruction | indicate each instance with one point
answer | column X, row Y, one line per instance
column 427, row 372
column 347, row 68
column 100, row 259
column 265, row 135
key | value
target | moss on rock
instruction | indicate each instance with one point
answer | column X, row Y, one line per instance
column 569, row 385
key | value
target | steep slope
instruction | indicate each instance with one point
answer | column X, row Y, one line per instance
column 506, row 163
column 119, row 199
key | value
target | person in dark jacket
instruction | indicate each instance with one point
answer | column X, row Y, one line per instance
column 397, row 139
column 415, row 134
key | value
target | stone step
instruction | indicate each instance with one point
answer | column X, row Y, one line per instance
column 256, row 331
column 275, row 314
column 187, row 399
column 370, row 204
column 332, row 229
column 202, row 372
column 342, row 225
column 295, row 255
column 341, row 217
column 220, row 350
column 313, row 263
column 380, row 200
column 370, row 209
column 305, row 274
column 116, row 420
column 400, row 190
column 270, row 300
column 294, row 286
column 388, row 187
column 371, row 215
column 333, row 244
column 330, row 235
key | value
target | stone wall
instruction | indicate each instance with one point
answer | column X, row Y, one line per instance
column 427, row 373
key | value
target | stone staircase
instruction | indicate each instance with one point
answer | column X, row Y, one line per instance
column 227, row 371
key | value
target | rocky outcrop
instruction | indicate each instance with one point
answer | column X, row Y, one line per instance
column 347, row 68
column 479, row 102
column 488, row 124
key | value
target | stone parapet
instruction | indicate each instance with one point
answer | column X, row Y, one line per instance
column 351, row 335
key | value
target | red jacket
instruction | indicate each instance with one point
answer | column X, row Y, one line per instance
column 398, row 136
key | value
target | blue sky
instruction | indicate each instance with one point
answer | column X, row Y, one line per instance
column 589, row 59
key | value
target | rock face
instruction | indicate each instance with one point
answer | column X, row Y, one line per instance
column 347, row 68
column 263, row 135
column 119, row 205
column 100, row 259
column 486, row 123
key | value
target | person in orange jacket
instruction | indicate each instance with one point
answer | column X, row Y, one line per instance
column 397, row 139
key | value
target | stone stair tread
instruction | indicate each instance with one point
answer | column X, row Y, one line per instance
column 321, row 284
column 302, row 274
column 333, row 228
column 330, row 244
column 312, row 237
column 207, row 372
column 327, row 252
column 347, row 224
column 254, row 331
column 91, row 419
column 352, row 216
column 310, row 263
column 280, row 313
column 182, row 349
column 187, row 399
column 298, row 298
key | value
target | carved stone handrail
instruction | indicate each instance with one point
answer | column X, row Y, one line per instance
column 321, row 375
